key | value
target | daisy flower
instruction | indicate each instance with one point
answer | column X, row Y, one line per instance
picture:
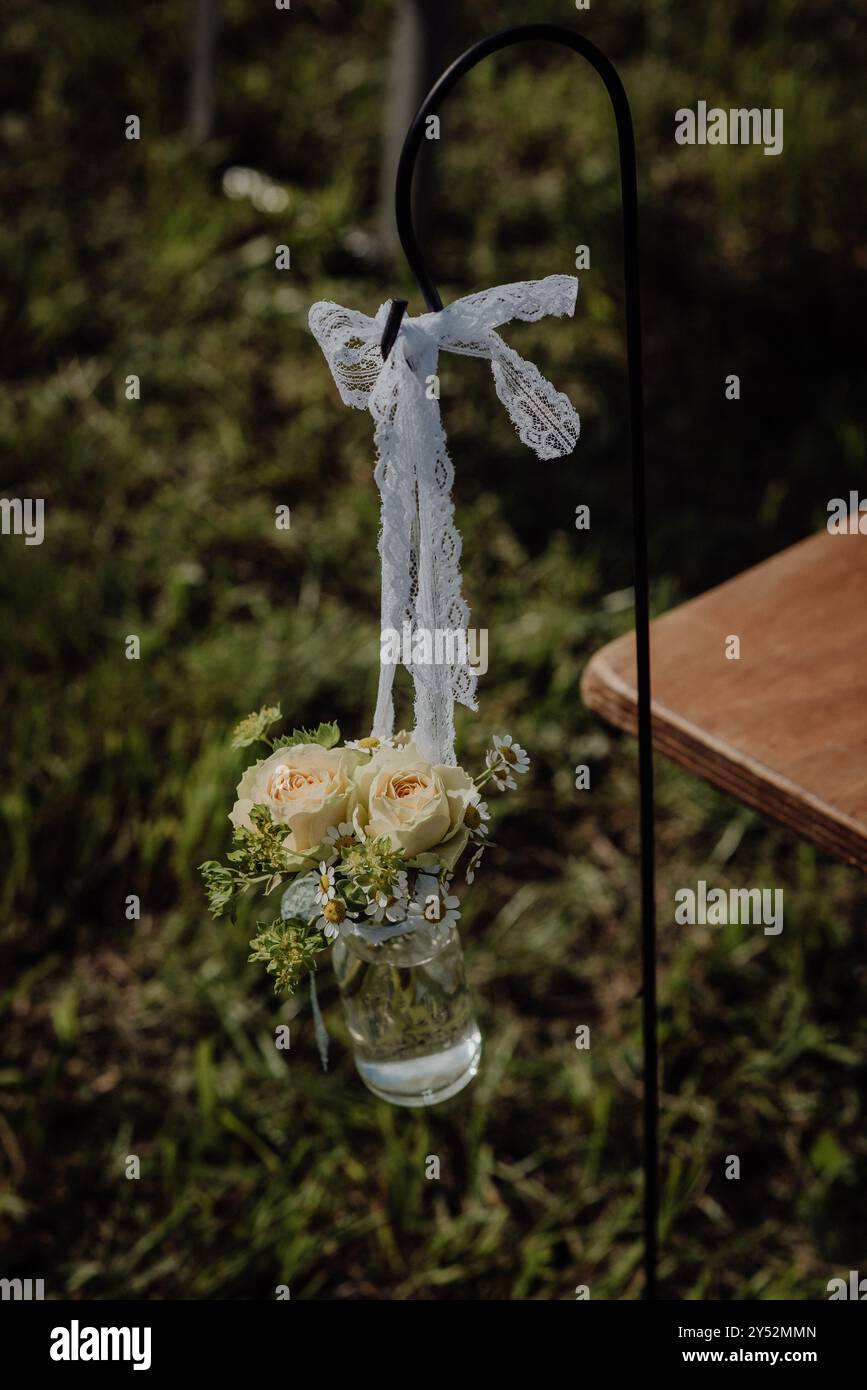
column 334, row 914
column 443, row 912
column 393, row 906
column 512, row 753
column 385, row 909
column 369, row 744
column 476, row 816
column 325, row 890
column 501, row 773
column 474, row 864
column 451, row 914
column 340, row 837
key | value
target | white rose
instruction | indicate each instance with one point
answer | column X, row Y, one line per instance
column 305, row 787
column 418, row 805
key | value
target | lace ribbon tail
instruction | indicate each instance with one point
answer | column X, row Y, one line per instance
column 545, row 418
column 395, row 478
column 441, row 613
column 350, row 344
column 383, row 717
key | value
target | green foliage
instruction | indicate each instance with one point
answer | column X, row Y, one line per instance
column 372, row 866
column 255, row 726
column 222, row 885
column 259, row 859
column 288, row 948
column 327, row 735
column 260, row 849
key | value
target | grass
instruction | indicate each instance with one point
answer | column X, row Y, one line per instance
column 154, row 1037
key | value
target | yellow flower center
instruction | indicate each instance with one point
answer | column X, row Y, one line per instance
column 334, row 912
column 509, row 755
column 324, row 882
column 370, row 742
column 472, row 818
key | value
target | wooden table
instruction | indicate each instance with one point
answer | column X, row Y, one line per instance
column 784, row 728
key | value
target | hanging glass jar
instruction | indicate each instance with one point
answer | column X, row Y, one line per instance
column 408, row 1009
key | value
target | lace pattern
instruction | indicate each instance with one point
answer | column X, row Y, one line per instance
column 419, row 543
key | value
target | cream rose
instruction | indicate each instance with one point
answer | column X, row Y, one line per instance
column 418, row 805
column 306, row 788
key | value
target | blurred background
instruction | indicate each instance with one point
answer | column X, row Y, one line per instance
column 156, row 258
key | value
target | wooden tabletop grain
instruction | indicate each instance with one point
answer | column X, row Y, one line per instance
column 784, row 726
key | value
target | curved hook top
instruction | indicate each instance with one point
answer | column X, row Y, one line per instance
column 552, row 33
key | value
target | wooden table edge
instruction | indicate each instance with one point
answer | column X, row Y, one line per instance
column 607, row 694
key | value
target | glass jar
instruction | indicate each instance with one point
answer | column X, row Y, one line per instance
column 408, row 1010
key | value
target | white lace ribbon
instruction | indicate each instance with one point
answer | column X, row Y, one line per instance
column 419, row 544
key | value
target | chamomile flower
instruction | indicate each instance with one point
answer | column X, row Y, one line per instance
column 435, row 909
column 450, row 915
column 474, row 864
column 387, row 910
column 501, row 773
column 476, row 817
column 339, row 838
column 325, row 890
column 368, row 745
column 392, row 906
column 334, row 914
column 415, row 914
column 512, row 753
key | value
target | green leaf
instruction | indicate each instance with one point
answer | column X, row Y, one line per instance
column 260, row 815
column 326, row 735
column 221, row 885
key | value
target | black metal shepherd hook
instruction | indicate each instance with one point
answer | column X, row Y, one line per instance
column 628, row 183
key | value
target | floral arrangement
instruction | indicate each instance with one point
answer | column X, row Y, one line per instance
column 364, row 834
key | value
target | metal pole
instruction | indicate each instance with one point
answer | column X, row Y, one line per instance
column 551, row 33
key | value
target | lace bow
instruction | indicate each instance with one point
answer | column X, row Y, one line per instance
column 419, row 544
